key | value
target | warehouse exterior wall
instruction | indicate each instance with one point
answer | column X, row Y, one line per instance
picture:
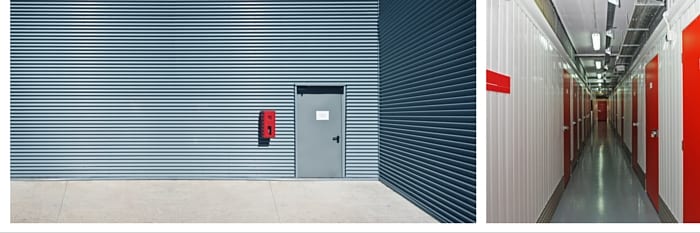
column 428, row 103
column 173, row 89
column 680, row 14
column 525, row 137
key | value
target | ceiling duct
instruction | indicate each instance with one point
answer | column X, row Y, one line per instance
column 610, row 21
column 646, row 17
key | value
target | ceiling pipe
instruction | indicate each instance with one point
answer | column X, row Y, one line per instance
column 610, row 22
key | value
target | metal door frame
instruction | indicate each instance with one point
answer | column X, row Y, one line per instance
column 342, row 130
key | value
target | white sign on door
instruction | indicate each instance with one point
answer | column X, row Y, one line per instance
column 322, row 115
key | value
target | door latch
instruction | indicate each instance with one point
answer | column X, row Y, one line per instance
column 336, row 139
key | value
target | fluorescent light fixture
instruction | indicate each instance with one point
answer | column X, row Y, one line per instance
column 596, row 41
column 600, row 75
column 598, row 64
column 608, row 51
column 609, row 33
column 614, row 2
column 600, row 84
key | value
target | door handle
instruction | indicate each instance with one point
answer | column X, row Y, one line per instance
column 654, row 134
column 565, row 128
column 336, row 139
column 635, row 124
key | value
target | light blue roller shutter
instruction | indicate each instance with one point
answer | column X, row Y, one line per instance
column 172, row 89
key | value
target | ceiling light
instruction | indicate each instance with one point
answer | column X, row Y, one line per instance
column 598, row 64
column 600, row 75
column 609, row 33
column 600, row 84
column 596, row 41
column 608, row 51
column 614, row 2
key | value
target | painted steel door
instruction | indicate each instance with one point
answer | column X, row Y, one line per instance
column 319, row 135
column 635, row 121
column 691, row 125
column 652, row 128
column 602, row 110
column 567, row 127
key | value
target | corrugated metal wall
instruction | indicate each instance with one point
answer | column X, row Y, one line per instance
column 623, row 97
column 428, row 103
column 627, row 119
column 525, row 137
column 641, row 117
column 680, row 14
column 172, row 89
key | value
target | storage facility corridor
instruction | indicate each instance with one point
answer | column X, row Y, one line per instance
column 592, row 111
column 604, row 187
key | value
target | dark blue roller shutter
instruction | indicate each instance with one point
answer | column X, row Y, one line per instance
column 427, row 104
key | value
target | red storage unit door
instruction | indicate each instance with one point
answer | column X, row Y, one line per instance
column 567, row 126
column 691, row 126
column 602, row 110
column 652, row 127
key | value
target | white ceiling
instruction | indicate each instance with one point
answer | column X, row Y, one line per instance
column 581, row 18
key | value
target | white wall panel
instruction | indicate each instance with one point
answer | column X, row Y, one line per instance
column 681, row 13
column 627, row 124
column 525, row 139
column 618, row 110
column 641, row 118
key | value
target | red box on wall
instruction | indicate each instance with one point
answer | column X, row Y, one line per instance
column 268, row 124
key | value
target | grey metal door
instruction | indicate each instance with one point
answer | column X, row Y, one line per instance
column 319, row 131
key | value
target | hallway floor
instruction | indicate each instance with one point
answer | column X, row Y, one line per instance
column 604, row 188
column 193, row 201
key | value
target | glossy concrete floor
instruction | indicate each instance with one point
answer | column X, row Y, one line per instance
column 604, row 188
column 215, row 201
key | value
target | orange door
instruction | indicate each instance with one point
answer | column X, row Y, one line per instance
column 652, row 130
column 691, row 135
column 567, row 127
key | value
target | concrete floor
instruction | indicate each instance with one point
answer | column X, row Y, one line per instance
column 604, row 188
column 210, row 201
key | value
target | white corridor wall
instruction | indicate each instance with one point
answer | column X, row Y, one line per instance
column 525, row 137
column 680, row 14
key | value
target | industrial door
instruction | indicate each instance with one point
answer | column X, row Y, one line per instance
column 319, row 117
column 691, row 125
column 602, row 110
column 652, row 128
column 567, row 127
